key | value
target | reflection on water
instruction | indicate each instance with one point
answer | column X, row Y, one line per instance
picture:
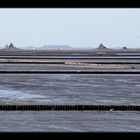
column 69, row 89
column 70, row 121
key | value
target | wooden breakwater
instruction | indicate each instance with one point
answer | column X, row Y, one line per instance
column 69, row 71
column 24, row 61
column 70, row 107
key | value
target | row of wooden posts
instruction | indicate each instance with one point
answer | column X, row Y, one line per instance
column 70, row 107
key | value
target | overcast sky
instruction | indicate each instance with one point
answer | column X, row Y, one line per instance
column 114, row 28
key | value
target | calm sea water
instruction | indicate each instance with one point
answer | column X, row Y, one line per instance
column 69, row 89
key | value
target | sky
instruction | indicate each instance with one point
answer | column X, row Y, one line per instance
column 81, row 27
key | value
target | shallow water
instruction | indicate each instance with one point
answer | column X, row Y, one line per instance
column 70, row 121
column 69, row 89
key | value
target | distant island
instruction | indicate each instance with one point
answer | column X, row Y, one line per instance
column 101, row 48
column 62, row 47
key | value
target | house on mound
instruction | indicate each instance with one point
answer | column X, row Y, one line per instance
column 124, row 48
column 101, row 50
column 101, row 46
column 10, row 47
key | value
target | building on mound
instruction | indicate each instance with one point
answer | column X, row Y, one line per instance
column 101, row 50
column 10, row 47
column 124, row 48
column 101, row 46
